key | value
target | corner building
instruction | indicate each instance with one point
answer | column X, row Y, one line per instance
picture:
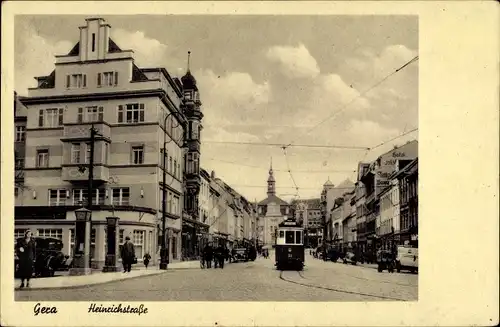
column 134, row 110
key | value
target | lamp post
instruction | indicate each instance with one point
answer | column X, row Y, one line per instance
column 82, row 242
column 112, row 242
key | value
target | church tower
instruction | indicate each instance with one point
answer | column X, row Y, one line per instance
column 271, row 182
column 191, row 106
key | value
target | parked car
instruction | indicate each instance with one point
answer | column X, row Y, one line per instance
column 350, row 257
column 48, row 257
column 407, row 258
column 240, row 254
column 385, row 260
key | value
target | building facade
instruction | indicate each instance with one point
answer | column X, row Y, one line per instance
column 135, row 113
column 272, row 211
column 20, row 118
column 408, row 181
column 375, row 179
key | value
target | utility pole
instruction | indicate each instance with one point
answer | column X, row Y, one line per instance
column 256, row 218
column 93, row 133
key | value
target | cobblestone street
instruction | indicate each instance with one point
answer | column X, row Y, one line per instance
column 251, row 281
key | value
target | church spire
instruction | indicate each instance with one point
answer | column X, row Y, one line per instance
column 271, row 182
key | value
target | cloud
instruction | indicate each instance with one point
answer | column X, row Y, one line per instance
column 35, row 57
column 221, row 135
column 373, row 67
column 295, row 62
column 148, row 52
column 231, row 98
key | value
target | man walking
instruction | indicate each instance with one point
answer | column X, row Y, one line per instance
column 128, row 255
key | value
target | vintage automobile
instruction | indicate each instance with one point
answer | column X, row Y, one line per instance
column 240, row 254
column 407, row 258
column 385, row 260
column 48, row 257
column 350, row 257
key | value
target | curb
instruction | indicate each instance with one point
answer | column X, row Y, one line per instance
column 87, row 285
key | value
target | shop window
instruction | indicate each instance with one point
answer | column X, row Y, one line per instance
column 138, row 240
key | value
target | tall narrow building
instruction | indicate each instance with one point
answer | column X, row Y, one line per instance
column 272, row 211
column 191, row 108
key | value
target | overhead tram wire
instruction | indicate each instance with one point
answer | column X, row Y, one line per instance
column 282, row 170
column 394, row 138
column 342, row 108
column 345, row 147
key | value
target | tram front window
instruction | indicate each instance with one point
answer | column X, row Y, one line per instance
column 289, row 237
column 282, row 234
column 298, row 237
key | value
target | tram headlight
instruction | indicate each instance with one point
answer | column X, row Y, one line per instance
column 289, row 249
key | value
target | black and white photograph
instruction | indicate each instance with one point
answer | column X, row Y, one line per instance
column 250, row 168
column 249, row 163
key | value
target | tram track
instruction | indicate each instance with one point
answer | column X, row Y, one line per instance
column 334, row 289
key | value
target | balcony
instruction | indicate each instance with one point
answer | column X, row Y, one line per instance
column 72, row 173
column 82, row 131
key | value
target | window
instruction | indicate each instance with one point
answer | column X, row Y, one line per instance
column 175, row 209
column 75, row 153
column 138, row 155
column 88, row 148
column 76, row 81
column 106, row 150
column 52, row 233
column 121, row 237
column 57, row 197
column 120, row 196
column 194, row 130
column 179, row 170
column 107, row 79
column 138, row 240
column 93, row 42
column 134, row 113
column 289, row 237
column 50, row 117
column 175, row 168
column 92, row 242
column 42, row 158
column 20, row 133
column 16, row 191
column 90, row 114
column 282, row 234
column 80, row 195
column 19, row 233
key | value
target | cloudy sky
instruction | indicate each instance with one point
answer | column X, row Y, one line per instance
column 267, row 79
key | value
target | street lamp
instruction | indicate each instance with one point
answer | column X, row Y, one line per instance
column 82, row 242
column 112, row 240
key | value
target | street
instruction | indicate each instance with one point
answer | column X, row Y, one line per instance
column 250, row 281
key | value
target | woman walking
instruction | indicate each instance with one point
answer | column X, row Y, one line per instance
column 25, row 249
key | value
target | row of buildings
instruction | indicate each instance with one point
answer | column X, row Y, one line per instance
column 148, row 125
column 380, row 209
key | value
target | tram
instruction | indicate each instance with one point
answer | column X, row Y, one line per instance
column 289, row 248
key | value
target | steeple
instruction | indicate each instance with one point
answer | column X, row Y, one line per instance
column 271, row 182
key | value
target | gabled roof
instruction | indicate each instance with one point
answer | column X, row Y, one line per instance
column 273, row 198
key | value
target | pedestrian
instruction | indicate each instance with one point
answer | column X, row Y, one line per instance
column 25, row 249
column 220, row 256
column 207, row 254
column 146, row 259
column 128, row 255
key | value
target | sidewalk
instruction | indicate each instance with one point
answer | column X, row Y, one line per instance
column 63, row 280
